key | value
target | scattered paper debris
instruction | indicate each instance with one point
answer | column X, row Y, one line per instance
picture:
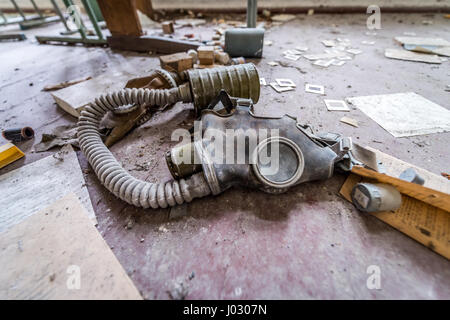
column 314, row 88
column 262, row 81
column 285, row 83
column 421, row 41
column 404, row 114
column 407, row 33
column 336, row 105
column 401, row 54
column 350, row 121
column 354, row 51
column 323, row 63
column 301, row 48
column 292, row 52
column 338, row 63
column 368, row 42
column 273, row 63
column 328, row 43
column 268, row 43
column 280, row 89
column 292, row 57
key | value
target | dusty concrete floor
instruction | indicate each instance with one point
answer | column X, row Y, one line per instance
column 308, row 243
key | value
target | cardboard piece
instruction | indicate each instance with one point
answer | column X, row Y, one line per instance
column 401, row 54
column 28, row 189
column 58, row 254
column 423, row 222
column 404, row 114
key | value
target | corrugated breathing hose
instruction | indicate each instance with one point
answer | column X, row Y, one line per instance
column 110, row 172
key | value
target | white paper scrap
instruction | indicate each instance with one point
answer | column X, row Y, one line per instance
column 404, row 114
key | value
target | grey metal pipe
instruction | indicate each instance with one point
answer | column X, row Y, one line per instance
column 19, row 10
column 252, row 12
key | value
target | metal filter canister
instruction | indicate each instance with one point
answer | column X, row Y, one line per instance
column 238, row 81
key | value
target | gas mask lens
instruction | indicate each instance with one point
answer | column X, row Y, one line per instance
column 278, row 162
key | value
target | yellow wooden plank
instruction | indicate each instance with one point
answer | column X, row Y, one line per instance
column 9, row 153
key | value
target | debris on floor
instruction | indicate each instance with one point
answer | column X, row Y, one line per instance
column 59, row 136
column 402, row 54
column 349, row 121
column 406, row 218
column 314, row 88
column 404, row 114
column 55, row 179
column 66, row 242
column 336, row 105
column 9, row 153
column 280, row 89
column 170, row 70
column 65, row 84
column 18, row 134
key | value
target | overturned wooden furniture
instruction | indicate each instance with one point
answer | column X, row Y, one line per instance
column 126, row 30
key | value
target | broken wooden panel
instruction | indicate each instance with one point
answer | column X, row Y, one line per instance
column 58, row 254
column 27, row 190
column 121, row 17
column 401, row 54
column 73, row 99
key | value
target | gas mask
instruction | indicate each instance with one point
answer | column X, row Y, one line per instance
column 229, row 146
column 232, row 146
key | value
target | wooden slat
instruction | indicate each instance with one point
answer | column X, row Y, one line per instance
column 145, row 6
column 427, row 195
column 148, row 43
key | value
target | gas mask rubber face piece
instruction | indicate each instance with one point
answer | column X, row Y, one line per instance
column 233, row 147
